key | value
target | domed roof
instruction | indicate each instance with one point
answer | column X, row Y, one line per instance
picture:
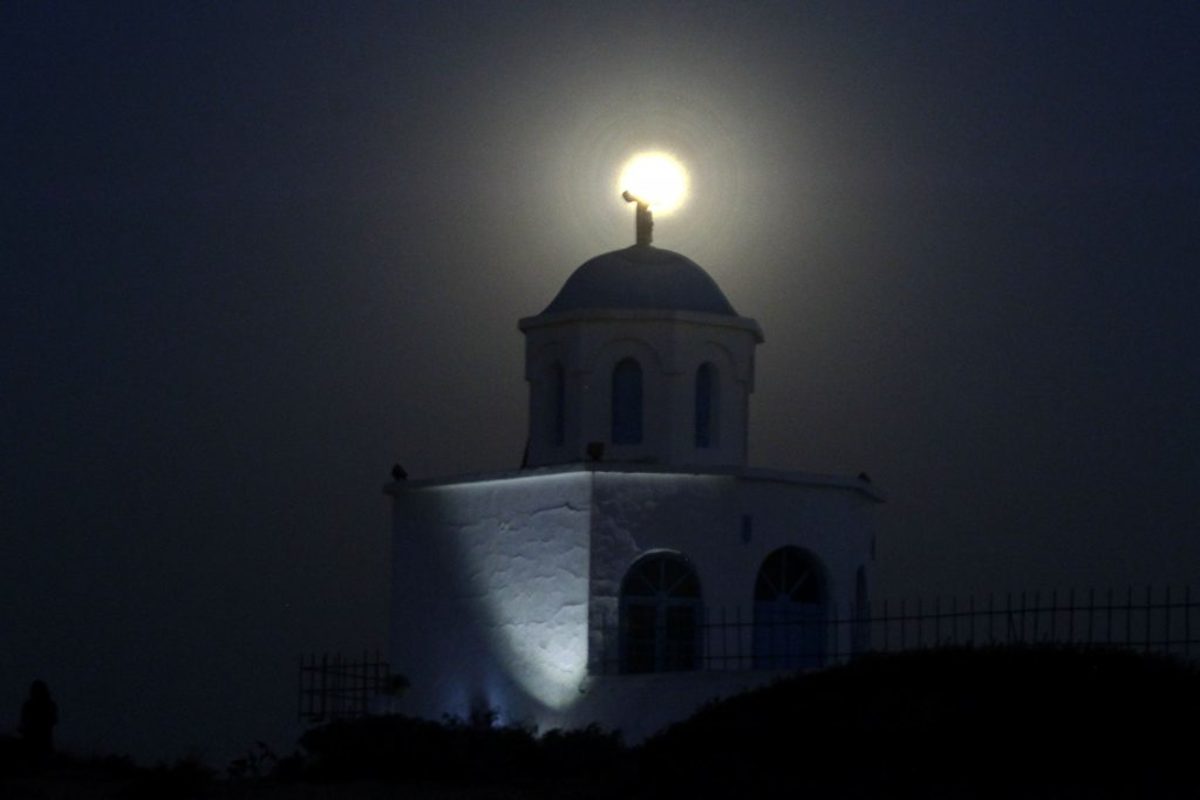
column 641, row 277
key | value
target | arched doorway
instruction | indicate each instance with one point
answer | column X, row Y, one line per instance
column 660, row 615
column 789, row 611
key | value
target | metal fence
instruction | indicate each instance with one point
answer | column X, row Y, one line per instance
column 334, row 687
column 681, row 639
column 730, row 639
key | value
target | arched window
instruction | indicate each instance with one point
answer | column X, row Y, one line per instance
column 627, row 402
column 789, row 611
column 660, row 615
column 707, row 395
column 556, row 390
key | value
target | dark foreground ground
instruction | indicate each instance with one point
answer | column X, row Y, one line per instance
column 990, row 723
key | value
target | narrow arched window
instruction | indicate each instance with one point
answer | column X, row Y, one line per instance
column 706, row 405
column 660, row 615
column 556, row 391
column 789, row 611
column 627, row 402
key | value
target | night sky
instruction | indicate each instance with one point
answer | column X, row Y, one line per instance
column 255, row 253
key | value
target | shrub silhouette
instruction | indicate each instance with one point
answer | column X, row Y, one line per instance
column 403, row 749
column 398, row 748
column 187, row 777
column 994, row 722
column 1000, row 719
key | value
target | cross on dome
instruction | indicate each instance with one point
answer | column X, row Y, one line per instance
column 644, row 220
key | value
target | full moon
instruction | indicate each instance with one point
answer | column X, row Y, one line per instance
column 656, row 178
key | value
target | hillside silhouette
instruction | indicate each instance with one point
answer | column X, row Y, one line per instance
column 1003, row 722
column 994, row 722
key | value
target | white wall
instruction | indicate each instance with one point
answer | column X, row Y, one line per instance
column 495, row 580
column 490, row 593
column 669, row 346
column 700, row 516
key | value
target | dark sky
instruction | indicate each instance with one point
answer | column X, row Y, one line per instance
column 254, row 253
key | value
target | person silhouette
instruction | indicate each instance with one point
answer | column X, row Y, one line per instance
column 39, row 715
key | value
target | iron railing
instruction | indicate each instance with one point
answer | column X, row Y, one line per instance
column 334, row 687
column 731, row 639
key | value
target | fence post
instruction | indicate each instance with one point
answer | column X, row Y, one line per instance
column 339, row 685
column 1091, row 616
column 1128, row 615
column 742, row 648
column 1109, row 612
column 1167, row 641
column 1149, row 603
column 903, row 627
column 1071, row 616
column 1053, row 614
column 362, row 682
column 886, row 626
column 971, row 604
column 1037, row 614
column 991, row 619
column 723, row 625
column 920, row 620
column 836, row 638
column 377, row 675
column 324, row 682
column 954, row 620
column 1187, row 621
column 937, row 620
column 709, row 638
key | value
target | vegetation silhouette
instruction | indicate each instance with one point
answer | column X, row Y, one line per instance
column 455, row 752
column 991, row 722
column 104, row 776
column 39, row 715
column 996, row 722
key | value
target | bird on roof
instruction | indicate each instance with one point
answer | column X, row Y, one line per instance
column 398, row 472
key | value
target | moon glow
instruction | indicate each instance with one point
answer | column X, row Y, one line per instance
column 658, row 178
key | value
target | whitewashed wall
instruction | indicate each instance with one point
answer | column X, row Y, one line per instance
column 490, row 584
column 701, row 517
column 669, row 346
column 495, row 581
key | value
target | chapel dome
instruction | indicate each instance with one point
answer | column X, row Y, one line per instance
column 641, row 277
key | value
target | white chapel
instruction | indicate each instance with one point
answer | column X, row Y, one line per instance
column 635, row 566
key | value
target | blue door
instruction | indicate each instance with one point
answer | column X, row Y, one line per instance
column 790, row 621
column 660, row 616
